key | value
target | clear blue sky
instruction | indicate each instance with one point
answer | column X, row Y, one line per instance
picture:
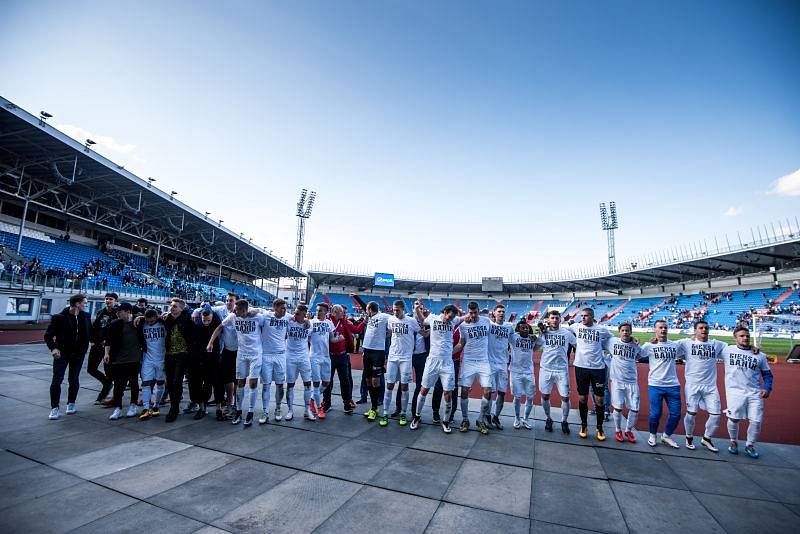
column 468, row 136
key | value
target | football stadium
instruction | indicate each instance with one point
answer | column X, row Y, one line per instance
column 160, row 370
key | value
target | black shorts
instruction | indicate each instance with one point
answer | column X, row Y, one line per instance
column 596, row 377
column 374, row 361
column 227, row 366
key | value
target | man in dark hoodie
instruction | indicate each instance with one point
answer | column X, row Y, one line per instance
column 104, row 316
column 203, row 366
column 180, row 336
column 67, row 337
column 123, row 352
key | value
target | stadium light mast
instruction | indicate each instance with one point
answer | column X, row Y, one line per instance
column 608, row 218
column 304, row 207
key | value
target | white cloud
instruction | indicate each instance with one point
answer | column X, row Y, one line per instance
column 733, row 211
column 787, row 186
column 105, row 141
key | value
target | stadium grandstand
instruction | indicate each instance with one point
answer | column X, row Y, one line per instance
column 72, row 220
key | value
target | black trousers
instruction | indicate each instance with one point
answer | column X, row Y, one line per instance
column 204, row 377
column 73, row 362
column 174, row 368
column 125, row 374
column 340, row 364
column 96, row 354
column 438, row 391
column 418, row 363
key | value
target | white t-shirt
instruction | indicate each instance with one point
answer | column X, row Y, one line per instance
column 154, row 337
column 743, row 371
column 589, row 345
column 701, row 360
column 521, row 354
column 375, row 332
column 320, row 337
column 499, row 339
column 296, row 340
column 441, row 336
column 404, row 332
column 419, row 343
column 623, row 360
column 476, row 337
column 273, row 333
column 248, row 333
column 229, row 340
column 662, row 358
column 555, row 349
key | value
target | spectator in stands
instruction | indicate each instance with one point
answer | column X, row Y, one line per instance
column 67, row 337
column 123, row 353
column 180, row 335
column 104, row 316
column 141, row 307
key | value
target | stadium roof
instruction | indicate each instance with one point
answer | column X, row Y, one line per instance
column 779, row 251
column 52, row 171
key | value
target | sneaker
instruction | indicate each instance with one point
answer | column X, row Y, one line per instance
column 361, row 401
column 630, row 437
column 548, row 425
column 600, row 435
column 263, row 418
column 237, row 418
column 564, row 427
column 116, row 414
column 71, row 408
column 108, row 402
column 171, row 416
column 289, row 415
column 98, row 401
column 248, row 419
column 619, row 437
column 652, row 440
column 517, row 423
column 140, row 402
column 584, row 432
column 54, row 414
column 321, row 413
column 446, row 427
column 414, row 422
column 309, row 414
column 690, row 443
column 496, row 422
column 669, row 441
column 395, row 413
column 751, row 451
column 592, row 412
column 154, row 411
column 384, row 421
column 526, row 425
column 145, row 415
column 733, row 448
column 351, row 405
column 200, row 414
column 403, row 421
column 708, row 444
column 132, row 412
column 313, row 405
column 278, row 415
column 488, row 420
column 482, row 427
column 191, row 408
column 437, row 418
column 220, row 415
column 326, row 407
column 464, row 426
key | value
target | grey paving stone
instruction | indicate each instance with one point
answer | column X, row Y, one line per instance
column 794, row 508
column 313, row 498
column 10, row 463
column 374, row 509
column 790, row 453
column 195, row 433
column 31, row 483
column 450, row 518
column 245, row 441
column 62, row 514
column 782, row 484
column 710, row 476
column 670, row 509
column 540, row 527
column 744, row 516
column 156, row 425
column 22, row 438
column 568, row 459
column 141, row 517
column 161, row 474
column 651, row 469
column 551, row 492
column 210, row 530
column 214, row 494
column 392, row 434
column 341, row 424
column 431, row 438
column 118, row 457
column 58, row 449
column 503, row 449
column 298, row 449
column 347, row 461
column 475, row 485
column 422, row 473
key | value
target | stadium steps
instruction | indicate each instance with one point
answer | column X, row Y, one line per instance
column 536, row 308
column 785, row 295
column 613, row 313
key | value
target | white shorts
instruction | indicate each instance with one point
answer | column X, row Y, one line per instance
column 498, row 378
column 248, row 366
column 705, row 397
column 293, row 367
column 625, row 394
column 745, row 406
column 438, row 368
column 398, row 371
column 153, row 370
column 472, row 370
column 523, row 384
column 273, row 368
column 560, row 378
column 321, row 369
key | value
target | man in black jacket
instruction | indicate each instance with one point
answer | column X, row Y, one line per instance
column 203, row 366
column 67, row 337
column 123, row 351
column 104, row 316
column 180, row 336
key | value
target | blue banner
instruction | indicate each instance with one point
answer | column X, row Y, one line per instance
column 384, row 280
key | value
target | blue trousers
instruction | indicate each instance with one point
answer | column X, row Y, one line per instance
column 658, row 395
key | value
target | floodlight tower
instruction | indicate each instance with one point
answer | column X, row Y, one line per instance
column 304, row 207
column 608, row 218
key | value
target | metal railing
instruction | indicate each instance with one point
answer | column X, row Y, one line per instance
column 62, row 284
